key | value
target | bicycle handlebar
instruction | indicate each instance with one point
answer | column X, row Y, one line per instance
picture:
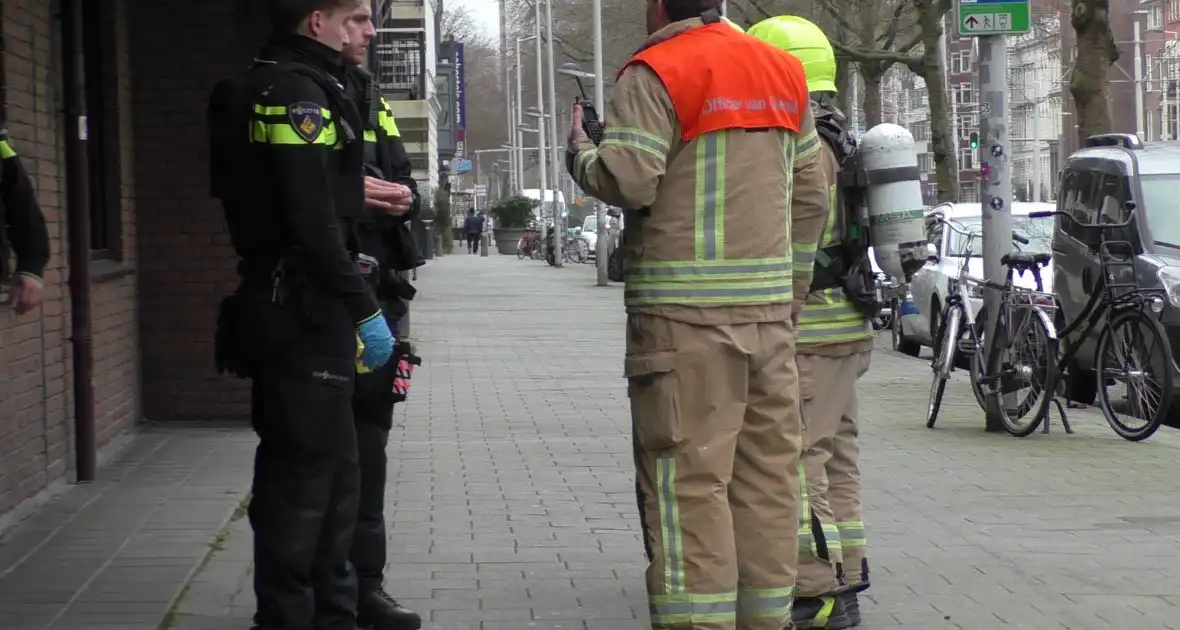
column 1019, row 239
column 1044, row 214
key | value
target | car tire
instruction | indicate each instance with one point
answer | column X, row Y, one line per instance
column 901, row 344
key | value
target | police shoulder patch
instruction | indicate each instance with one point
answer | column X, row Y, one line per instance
column 307, row 119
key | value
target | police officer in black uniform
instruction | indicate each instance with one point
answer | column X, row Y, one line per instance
column 391, row 201
column 24, row 229
column 286, row 155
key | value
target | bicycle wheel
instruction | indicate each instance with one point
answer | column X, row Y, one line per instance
column 1021, row 366
column 943, row 362
column 521, row 249
column 581, row 250
column 1134, row 349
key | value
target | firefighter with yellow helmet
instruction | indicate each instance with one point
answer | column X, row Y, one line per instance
column 834, row 345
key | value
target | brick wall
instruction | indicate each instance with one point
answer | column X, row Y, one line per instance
column 36, row 407
column 186, row 263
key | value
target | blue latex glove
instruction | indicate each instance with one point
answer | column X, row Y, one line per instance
column 378, row 340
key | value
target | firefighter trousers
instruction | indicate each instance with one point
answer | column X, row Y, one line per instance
column 831, row 453
column 717, row 440
column 305, row 486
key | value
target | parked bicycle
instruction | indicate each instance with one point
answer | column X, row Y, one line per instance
column 1026, row 329
column 576, row 248
column 1132, row 347
column 529, row 245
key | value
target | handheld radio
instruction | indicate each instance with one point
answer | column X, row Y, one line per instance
column 591, row 124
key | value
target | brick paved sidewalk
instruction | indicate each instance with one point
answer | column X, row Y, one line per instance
column 511, row 501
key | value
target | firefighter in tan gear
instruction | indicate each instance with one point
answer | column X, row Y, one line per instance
column 709, row 135
column 834, row 345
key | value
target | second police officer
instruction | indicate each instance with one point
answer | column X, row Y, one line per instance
column 286, row 153
column 711, row 146
column 391, row 197
column 834, row 347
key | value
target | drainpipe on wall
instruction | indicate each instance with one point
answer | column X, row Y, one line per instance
column 78, row 235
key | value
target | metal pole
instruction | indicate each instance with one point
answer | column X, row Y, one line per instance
column 1137, row 59
column 558, row 219
column 1036, row 143
column 505, row 72
column 519, row 116
column 600, row 246
column 996, row 192
column 475, row 185
column 541, row 162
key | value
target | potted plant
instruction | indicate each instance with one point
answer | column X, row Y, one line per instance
column 512, row 216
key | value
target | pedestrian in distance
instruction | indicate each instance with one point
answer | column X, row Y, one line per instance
column 725, row 206
column 286, row 155
column 834, row 348
column 473, row 228
column 391, row 200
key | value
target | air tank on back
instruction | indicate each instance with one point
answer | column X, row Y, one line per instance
column 896, row 214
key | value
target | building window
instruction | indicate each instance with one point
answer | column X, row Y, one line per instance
column 100, row 66
column 1155, row 18
column 925, row 163
column 968, row 193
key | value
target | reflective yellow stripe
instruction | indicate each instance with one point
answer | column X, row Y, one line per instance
column 670, row 533
column 281, row 110
column 637, row 139
column 690, row 608
column 834, row 321
column 852, row 534
column 831, row 537
column 6, row 150
column 825, row 612
column 807, row 145
column 370, row 135
column 282, row 133
column 386, row 120
column 709, row 224
column 806, row 539
column 736, row 293
column 710, row 270
column 760, row 603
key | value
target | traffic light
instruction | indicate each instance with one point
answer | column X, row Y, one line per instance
column 974, row 140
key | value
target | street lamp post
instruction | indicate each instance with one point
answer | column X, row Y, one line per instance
column 558, row 219
column 520, row 109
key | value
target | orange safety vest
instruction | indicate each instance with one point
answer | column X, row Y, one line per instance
column 719, row 79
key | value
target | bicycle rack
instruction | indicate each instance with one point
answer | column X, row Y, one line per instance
column 1061, row 412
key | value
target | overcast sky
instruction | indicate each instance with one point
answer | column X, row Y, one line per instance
column 485, row 12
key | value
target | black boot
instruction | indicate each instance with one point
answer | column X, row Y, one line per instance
column 852, row 607
column 378, row 611
column 820, row 612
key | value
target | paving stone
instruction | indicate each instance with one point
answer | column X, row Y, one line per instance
column 510, row 497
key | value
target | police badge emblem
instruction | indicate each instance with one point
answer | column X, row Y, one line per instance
column 307, row 119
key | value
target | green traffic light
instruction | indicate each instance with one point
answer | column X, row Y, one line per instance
column 974, row 140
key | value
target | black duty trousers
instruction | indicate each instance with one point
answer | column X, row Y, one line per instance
column 473, row 243
column 306, row 479
column 372, row 408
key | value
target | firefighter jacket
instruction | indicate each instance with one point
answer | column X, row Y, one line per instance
column 829, row 325
column 710, row 133
column 286, row 156
column 24, row 225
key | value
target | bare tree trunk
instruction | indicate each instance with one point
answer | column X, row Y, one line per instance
column 844, row 85
column 1096, row 51
column 871, row 74
column 941, row 131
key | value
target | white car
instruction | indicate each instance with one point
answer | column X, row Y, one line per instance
column 931, row 284
column 589, row 229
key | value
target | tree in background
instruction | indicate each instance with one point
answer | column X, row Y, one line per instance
column 1096, row 52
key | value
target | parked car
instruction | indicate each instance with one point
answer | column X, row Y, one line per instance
column 931, row 284
column 1098, row 185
